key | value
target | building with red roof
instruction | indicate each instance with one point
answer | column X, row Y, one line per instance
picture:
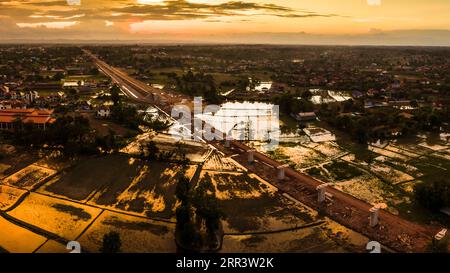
column 40, row 118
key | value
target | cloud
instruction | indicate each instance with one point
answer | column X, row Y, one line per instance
column 53, row 25
column 126, row 10
column 109, row 23
column 74, row 2
column 182, row 9
column 47, row 3
column 374, row 2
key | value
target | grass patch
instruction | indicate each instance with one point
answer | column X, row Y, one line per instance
column 342, row 171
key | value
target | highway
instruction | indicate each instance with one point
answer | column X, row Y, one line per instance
column 393, row 231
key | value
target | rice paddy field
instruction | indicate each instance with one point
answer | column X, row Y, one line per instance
column 380, row 173
column 29, row 176
column 138, row 235
column 16, row 239
column 326, row 238
column 63, row 218
column 14, row 159
column 92, row 196
column 123, row 183
column 9, row 196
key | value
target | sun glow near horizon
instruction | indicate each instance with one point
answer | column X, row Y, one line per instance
column 140, row 19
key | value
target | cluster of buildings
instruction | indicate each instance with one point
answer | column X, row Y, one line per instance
column 39, row 118
column 24, row 99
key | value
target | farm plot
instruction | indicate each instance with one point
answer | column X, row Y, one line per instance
column 9, row 196
column 299, row 156
column 194, row 151
column 335, row 171
column 389, row 153
column 124, row 183
column 16, row 239
column 399, row 150
column 328, row 238
column 14, row 159
column 402, row 166
column 53, row 247
column 341, row 171
column 137, row 235
column 151, row 193
column 29, row 176
column 64, row 218
column 216, row 162
column 443, row 154
column 329, row 149
column 413, row 147
column 318, row 173
column 374, row 191
column 95, row 175
column 432, row 166
column 434, row 146
column 253, row 205
column 389, row 173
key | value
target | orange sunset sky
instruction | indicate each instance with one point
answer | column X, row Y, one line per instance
column 260, row 21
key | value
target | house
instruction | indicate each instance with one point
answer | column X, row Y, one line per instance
column 306, row 116
column 44, row 86
column 103, row 112
column 14, row 95
column 5, row 105
column 4, row 89
column 31, row 96
column 357, row 94
column 73, row 84
column 40, row 118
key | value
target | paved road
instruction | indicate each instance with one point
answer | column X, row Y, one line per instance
column 143, row 93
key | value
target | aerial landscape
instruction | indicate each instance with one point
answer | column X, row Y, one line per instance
column 119, row 143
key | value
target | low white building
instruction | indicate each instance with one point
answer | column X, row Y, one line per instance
column 318, row 135
column 103, row 112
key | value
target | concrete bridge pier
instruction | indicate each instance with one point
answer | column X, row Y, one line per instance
column 251, row 156
column 281, row 173
column 321, row 193
column 227, row 143
column 374, row 216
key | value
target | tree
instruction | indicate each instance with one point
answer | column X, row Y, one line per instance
column 111, row 243
column 115, row 94
column 307, row 95
column 188, row 232
column 183, row 189
column 94, row 71
column 434, row 194
column 152, row 150
column 126, row 115
column 207, row 206
column 58, row 76
column 439, row 246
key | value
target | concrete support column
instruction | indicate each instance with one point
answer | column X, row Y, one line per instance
column 281, row 173
column 227, row 143
column 321, row 193
column 374, row 213
column 251, row 156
